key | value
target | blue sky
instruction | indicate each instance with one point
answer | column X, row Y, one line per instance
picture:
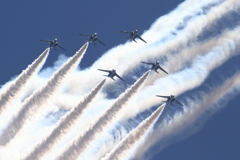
column 24, row 23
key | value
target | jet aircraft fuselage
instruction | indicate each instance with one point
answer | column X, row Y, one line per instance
column 93, row 38
column 111, row 74
column 170, row 99
column 133, row 35
column 155, row 66
column 53, row 44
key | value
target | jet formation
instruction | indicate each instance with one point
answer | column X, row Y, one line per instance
column 112, row 73
column 93, row 38
column 53, row 43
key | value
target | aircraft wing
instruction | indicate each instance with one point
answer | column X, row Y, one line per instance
column 141, row 39
column 61, row 47
column 104, row 70
column 125, row 32
column 162, row 69
column 148, row 63
column 178, row 102
column 46, row 41
column 162, row 96
column 119, row 77
column 85, row 35
column 101, row 42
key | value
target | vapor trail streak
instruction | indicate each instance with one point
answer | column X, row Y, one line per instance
column 64, row 125
column 41, row 95
column 196, row 111
column 186, row 79
column 104, row 120
column 124, row 150
column 20, row 82
column 126, row 54
column 194, row 76
column 183, row 38
column 175, row 62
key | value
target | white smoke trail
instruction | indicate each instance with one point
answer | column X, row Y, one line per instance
column 186, row 10
column 220, row 11
column 120, row 54
column 124, row 150
column 64, row 125
column 197, row 111
column 175, row 62
column 188, row 35
column 21, row 81
column 188, row 53
column 9, row 98
column 106, row 119
column 184, row 80
column 213, row 42
column 41, row 96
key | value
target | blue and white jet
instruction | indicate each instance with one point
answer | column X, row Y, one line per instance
column 93, row 38
column 170, row 99
column 111, row 74
column 155, row 66
column 53, row 43
column 133, row 35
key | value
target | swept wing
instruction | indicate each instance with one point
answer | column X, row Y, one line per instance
column 85, row 35
column 163, row 70
column 46, row 41
column 148, row 63
column 163, row 96
column 119, row 77
column 178, row 102
column 104, row 70
column 141, row 38
column 125, row 32
column 101, row 42
column 61, row 47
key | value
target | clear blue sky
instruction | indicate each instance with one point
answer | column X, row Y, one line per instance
column 24, row 23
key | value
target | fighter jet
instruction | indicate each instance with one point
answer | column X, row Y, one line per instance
column 170, row 99
column 54, row 43
column 93, row 38
column 155, row 66
column 133, row 35
column 111, row 74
